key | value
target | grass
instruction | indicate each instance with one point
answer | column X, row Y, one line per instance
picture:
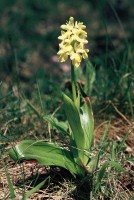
column 29, row 74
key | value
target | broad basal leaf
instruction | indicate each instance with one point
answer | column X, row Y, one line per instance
column 46, row 154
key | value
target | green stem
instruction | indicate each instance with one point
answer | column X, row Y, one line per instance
column 73, row 81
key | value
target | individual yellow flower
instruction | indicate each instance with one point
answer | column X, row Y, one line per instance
column 73, row 40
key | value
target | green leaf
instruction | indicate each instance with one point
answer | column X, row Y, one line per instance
column 101, row 174
column 87, row 120
column 74, row 121
column 93, row 163
column 122, row 143
column 10, row 185
column 131, row 159
column 33, row 190
column 90, row 77
column 73, row 118
column 118, row 167
column 61, row 126
column 46, row 154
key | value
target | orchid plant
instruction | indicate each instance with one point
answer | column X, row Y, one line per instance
column 76, row 156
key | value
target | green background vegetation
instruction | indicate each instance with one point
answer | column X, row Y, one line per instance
column 28, row 44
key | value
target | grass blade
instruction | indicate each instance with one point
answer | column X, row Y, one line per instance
column 10, row 185
column 35, row 189
column 101, row 174
column 123, row 141
column 118, row 167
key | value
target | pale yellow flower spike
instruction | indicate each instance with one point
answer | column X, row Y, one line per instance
column 73, row 39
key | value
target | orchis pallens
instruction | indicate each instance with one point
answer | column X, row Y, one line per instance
column 73, row 40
